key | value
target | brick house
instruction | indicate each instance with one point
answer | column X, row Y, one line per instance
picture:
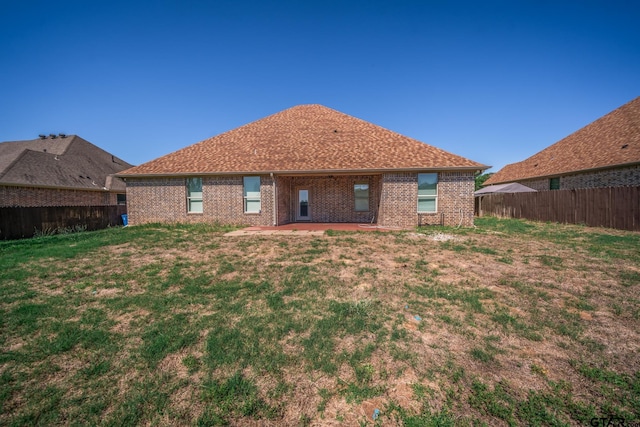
column 59, row 170
column 605, row 153
column 307, row 163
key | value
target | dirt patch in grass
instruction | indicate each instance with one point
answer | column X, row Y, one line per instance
column 123, row 320
column 173, row 364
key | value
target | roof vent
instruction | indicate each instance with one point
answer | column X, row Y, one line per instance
column 53, row 135
column 62, row 135
column 625, row 146
column 42, row 136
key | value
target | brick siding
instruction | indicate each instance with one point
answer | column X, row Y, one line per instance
column 284, row 190
column 165, row 200
column 455, row 198
column 392, row 200
column 14, row 196
column 399, row 200
column 399, row 204
column 618, row 177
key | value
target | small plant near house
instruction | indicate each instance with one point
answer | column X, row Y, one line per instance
column 78, row 228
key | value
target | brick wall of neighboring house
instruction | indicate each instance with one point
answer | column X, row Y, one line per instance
column 165, row 200
column 619, row 177
column 399, row 200
column 331, row 199
column 35, row 197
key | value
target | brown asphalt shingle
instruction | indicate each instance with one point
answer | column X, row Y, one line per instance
column 305, row 138
column 610, row 141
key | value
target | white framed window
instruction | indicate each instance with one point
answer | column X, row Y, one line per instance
column 194, row 195
column 251, row 194
column 427, row 192
column 361, row 190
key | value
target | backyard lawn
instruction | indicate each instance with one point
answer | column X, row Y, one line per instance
column 509, row 323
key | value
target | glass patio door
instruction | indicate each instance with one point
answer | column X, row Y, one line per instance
column 303, row 210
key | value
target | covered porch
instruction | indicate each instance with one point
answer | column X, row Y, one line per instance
column 341, row 200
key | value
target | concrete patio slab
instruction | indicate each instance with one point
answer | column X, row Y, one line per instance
column 306, row 229
column 249, row 232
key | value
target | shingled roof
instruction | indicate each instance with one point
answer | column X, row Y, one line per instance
column 304, row 139
column 63, row 162
column 611, row 141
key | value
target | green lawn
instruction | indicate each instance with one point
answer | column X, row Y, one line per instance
column 509, row 323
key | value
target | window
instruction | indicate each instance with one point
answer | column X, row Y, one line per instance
column 121, row 199
column 427, row 192
column 194, row 195
column 252, row 194
column 554, row 183
column 361, row 190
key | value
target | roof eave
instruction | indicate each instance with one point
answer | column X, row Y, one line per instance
column 56, row 187
column 570, row 172
column 305, row 172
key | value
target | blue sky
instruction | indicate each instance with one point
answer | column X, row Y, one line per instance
column 494, row 81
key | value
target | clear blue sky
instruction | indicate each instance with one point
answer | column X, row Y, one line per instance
column 494, row 81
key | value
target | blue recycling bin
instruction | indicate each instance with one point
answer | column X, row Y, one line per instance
column 125, row 220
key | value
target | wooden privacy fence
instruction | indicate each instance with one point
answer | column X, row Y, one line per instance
column 613, row 207
column 17, row 222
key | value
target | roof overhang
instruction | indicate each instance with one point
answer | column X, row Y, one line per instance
column 570, row 172
column 478, row 168
column 55, row 187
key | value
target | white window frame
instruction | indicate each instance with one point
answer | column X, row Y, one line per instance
column 429, row 196
column 251, row 197
column 355, row 204
column 191, row 198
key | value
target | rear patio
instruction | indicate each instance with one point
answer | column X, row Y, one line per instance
column 308, row 229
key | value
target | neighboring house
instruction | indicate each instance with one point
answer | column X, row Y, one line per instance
column 59, row 170
column 307, row 163
column 605, row 153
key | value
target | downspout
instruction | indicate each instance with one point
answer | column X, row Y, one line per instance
column 275, row 200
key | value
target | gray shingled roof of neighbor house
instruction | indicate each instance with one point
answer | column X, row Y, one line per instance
column 512, row 187
column 611, row 141
column 68, row 162
column 304, row 139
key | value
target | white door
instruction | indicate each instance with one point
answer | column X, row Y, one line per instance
column 303, row 209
